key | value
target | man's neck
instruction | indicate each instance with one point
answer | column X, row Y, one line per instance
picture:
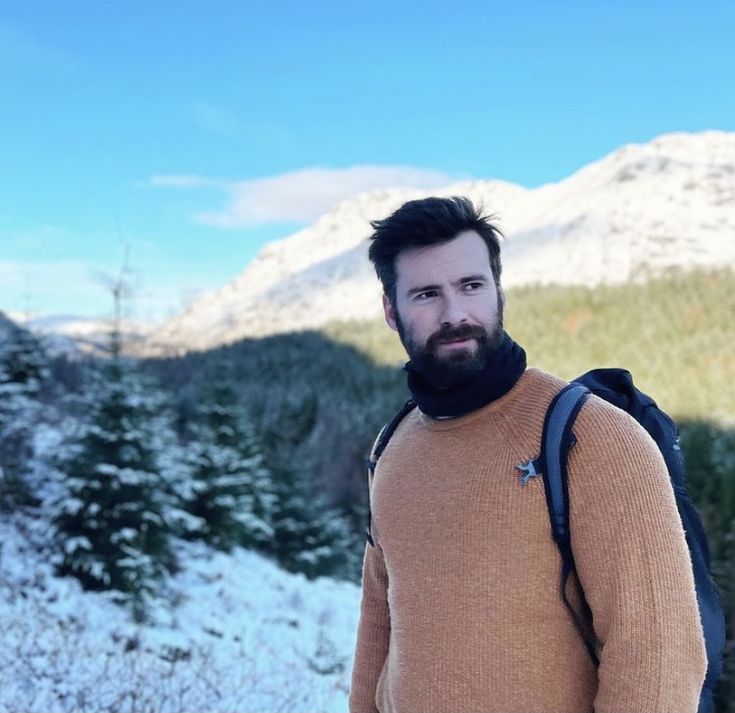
column 502, row 370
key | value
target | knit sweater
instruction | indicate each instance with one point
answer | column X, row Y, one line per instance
column 461, row 610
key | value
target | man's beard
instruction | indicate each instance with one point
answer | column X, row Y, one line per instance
column 457, row 366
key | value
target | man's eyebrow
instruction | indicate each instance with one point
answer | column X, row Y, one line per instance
column 461, row 281
column 423, row 288
column 472, row 278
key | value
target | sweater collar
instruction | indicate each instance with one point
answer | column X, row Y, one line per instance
column 504, row 367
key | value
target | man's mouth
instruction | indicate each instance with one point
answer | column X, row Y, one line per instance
column 457, row 342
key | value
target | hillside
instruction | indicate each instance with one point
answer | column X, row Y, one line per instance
column 674, row 333
column 243, row 635
column 636, row 213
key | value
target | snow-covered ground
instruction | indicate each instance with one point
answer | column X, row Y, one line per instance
column 234, row 633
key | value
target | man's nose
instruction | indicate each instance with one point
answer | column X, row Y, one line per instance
column 453, row 310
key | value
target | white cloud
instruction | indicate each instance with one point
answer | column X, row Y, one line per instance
column 300, row 196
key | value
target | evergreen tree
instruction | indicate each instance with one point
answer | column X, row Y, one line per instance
column 23, row 369
column 23, row 360
column 310, row 536
column 230, row 492
column 111, row 524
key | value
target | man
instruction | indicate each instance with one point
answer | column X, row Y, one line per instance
column 461, row 610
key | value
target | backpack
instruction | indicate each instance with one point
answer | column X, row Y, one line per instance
column 615, row 386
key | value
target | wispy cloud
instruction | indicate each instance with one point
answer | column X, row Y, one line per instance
column 300, row 196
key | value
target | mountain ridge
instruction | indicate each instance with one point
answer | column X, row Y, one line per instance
column 635, row 213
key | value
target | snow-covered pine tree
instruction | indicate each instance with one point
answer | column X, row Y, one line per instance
column 230, row 490
column 23, row 369
column 111, row 523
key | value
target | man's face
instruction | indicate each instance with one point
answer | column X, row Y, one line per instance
column 448, row 312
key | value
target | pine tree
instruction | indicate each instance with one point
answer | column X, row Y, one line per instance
column 310, row 536
column 230, row 491
column 23, row 369
column 111, row 527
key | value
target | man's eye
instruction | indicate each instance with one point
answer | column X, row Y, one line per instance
column 426, row 295
column 470, row 286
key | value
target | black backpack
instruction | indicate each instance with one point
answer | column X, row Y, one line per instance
column 615, row 386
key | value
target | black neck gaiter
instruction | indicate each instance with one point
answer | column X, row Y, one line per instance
column 504, row 367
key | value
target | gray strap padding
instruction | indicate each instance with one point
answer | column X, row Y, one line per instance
column 565, row 407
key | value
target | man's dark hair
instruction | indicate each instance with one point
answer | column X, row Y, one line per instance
column 429, row 221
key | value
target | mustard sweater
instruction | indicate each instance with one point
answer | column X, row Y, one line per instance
column 460, row 608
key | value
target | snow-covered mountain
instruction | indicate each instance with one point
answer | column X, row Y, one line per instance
column 642, row 209
column 85, row 331
column 75, row 336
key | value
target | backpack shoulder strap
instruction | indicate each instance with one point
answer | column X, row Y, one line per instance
column 556, row 440
column 387, row 432
column 380, row 444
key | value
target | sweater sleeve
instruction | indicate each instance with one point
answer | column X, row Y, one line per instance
column 373, row 632
column 634, row 565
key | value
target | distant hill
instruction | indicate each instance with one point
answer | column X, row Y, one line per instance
column 75, row 336
column 6, row 325
column 638, row 212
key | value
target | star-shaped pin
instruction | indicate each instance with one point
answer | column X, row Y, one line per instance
column 528, row 471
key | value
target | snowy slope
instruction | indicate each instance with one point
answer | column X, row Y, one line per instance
column 243, row 636
column 6, row 325
column 70, row 334
column 75, row 336
column 638, row 211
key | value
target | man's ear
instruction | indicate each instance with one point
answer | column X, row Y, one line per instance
column 390, row 316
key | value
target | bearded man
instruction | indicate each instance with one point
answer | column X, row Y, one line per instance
column 461, row 610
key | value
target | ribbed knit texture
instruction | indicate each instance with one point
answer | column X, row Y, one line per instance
column 460, row 608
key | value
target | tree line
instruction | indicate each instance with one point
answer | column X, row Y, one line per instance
column 148, row 453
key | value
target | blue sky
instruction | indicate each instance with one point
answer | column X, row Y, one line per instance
column 195, row 132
